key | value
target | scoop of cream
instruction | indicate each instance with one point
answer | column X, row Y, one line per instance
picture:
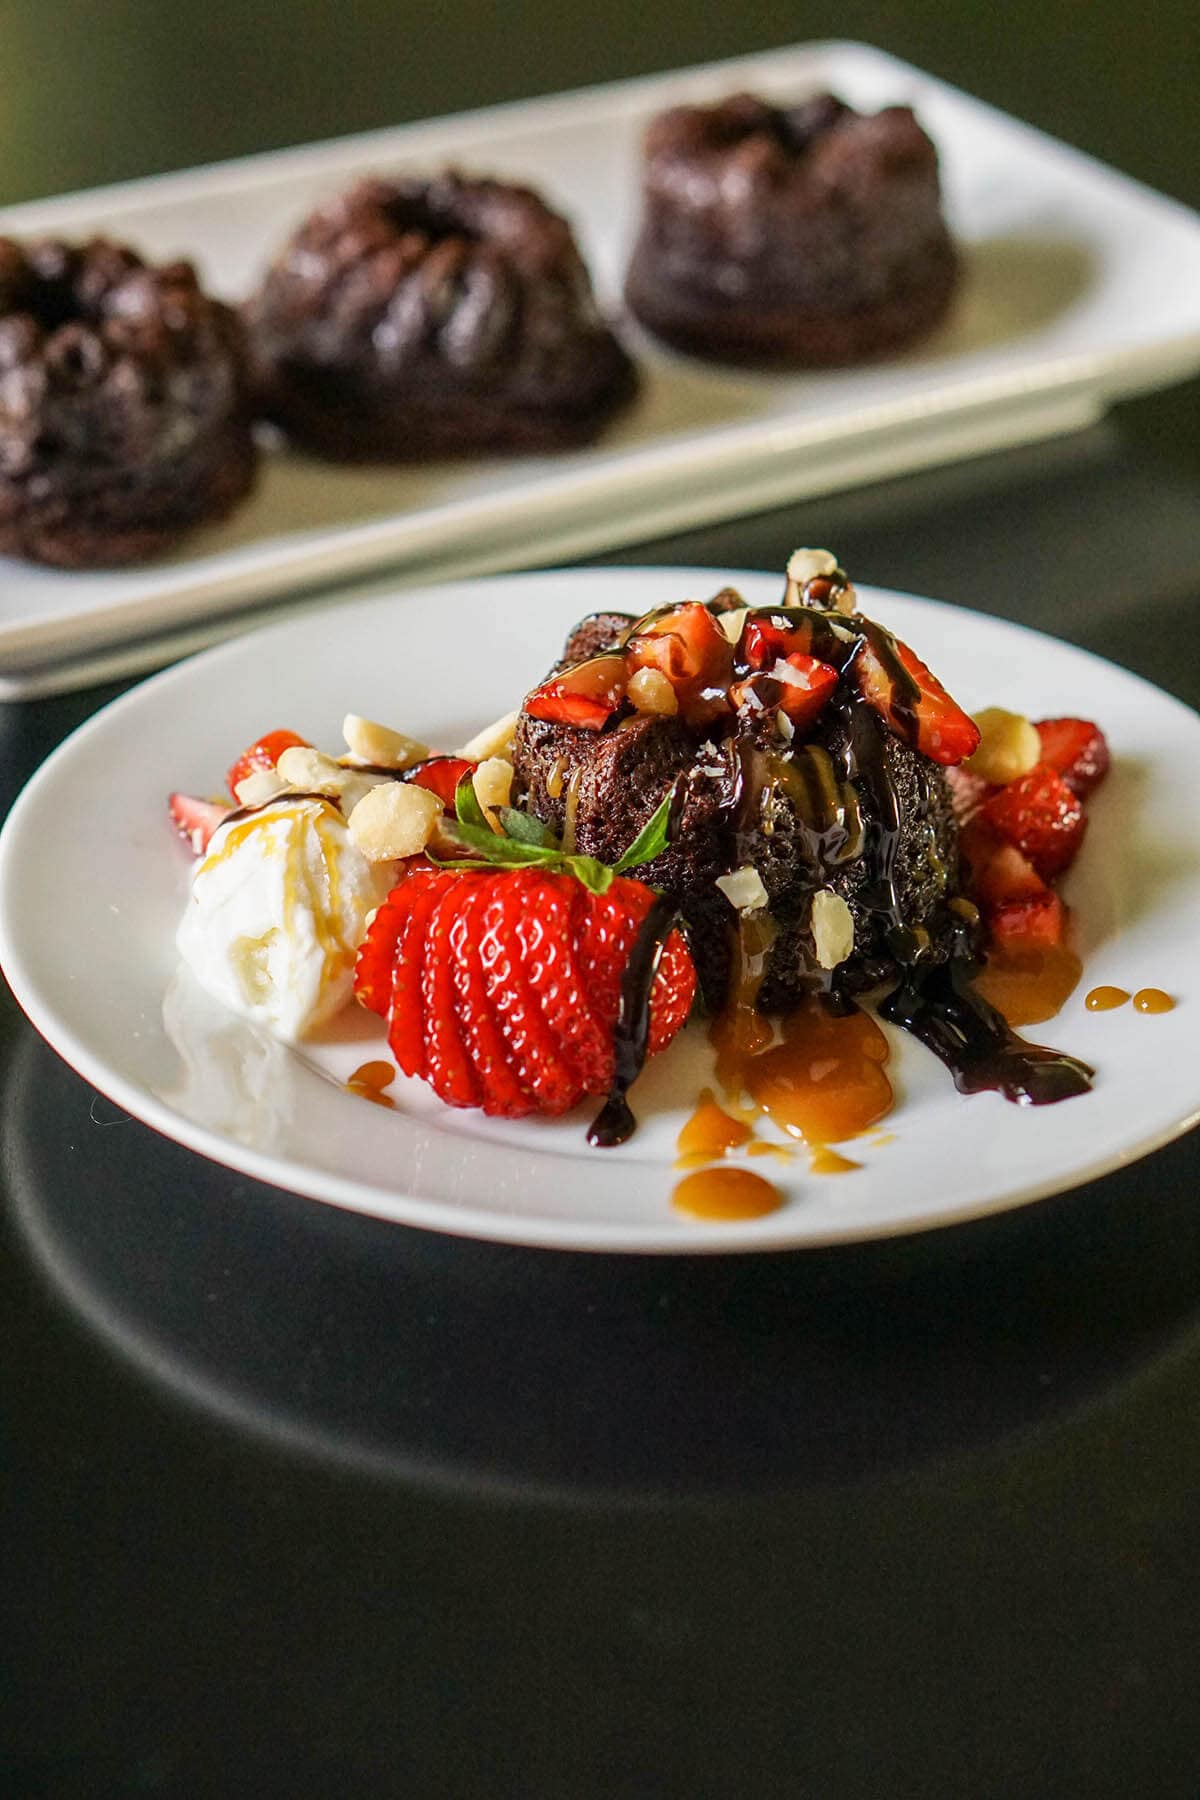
column 278, row 908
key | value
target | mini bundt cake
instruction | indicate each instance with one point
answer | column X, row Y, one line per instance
column 123, row 411
column 410, row 318
column 801, row 235
column 805, row 747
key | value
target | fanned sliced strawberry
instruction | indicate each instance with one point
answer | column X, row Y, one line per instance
column 196, row 820
column 1040, row 815
column 537, row 1057
column 911, row 700
column 587, row 695
column 441, row 775
column 264, row 753
column 556, row 913
column 448, row 1066
column 502, row 1094
column 1077, row 749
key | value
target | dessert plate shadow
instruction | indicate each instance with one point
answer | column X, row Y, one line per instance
column 1079, row 287
column 92, row 883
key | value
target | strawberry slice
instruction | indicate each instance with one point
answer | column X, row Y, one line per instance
column 441, row 775
column 1077, row 749
column 806, row 684
column 1041, row 815
column 910, row 698
column 406, row 1018
column 196, row 820
column 688, row 646
column 587, row 695
column 264, row 753
column 375, row 965
column 448, row 1066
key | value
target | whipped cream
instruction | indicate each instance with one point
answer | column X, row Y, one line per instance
column 278, row 908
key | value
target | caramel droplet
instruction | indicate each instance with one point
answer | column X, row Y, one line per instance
column 709, row 1133
column 373, row 1075
column 370, row 1093
column 1152, row 1000
column 1103, row 999
column 726, row 1193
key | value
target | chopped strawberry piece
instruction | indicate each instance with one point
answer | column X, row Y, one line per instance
column 441, row 775
column 998, row 872
column 1077, row 749
column 806, row 684
column 263, row 754
column 688, row 646
column 1036, row 922
column 587, row 695
column 911, row 700
column 196, row 820
column 1040, row 815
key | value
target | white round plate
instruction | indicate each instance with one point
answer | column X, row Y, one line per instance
column 93, row 881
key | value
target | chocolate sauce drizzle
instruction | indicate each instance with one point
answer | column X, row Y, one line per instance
column 614, row 1123
column 977, row 1045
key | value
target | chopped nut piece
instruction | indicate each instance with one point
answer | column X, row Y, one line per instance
column 651, row 692
column 807, row 565
column 832, row 928
column 259, row 786
column 492, row 782
column 310, row 772
column 731, row 622
column 395, row 819
column 494, row 740
column 1008, row 747
column 744, row 888
column 379, row 746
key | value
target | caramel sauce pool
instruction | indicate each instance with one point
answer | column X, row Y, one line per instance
column 1030, row 986
column 725, row 1193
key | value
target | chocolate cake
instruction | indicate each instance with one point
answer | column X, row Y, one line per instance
column 782, row 792
column 413, row 318
column 123, row 412
column 807, row 235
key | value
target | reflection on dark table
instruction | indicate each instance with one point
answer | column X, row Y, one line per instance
column 299, row 1503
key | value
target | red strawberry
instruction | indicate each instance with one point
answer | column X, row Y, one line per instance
column 441, row 775
column 263, row 754
column 688, row 646
column 587, row 695
column 196, row 820
column 506, row 983
column 806, row 689
column 1040, row 815
column 918, row 709
column 967, row 792
column 1035, row 922
column 1077, row 749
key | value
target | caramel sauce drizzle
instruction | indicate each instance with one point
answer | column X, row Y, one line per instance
column 1029, row 986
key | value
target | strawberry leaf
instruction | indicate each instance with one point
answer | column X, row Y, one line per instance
column 525, row 829
column 467, row 807
column 652, row 839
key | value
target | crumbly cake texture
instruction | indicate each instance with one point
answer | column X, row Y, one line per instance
column 433, row 318
column 124, row 420
column 615, row 779
column 809, row 235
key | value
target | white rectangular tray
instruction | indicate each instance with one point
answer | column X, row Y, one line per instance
column 1080, row 286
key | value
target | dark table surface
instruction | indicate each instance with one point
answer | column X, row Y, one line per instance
column 298, row 1503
